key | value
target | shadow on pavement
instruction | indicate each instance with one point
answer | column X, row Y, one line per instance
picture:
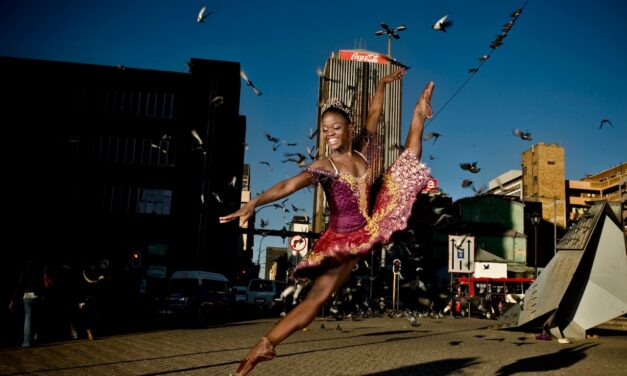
column 434, row 368
column 549, row 362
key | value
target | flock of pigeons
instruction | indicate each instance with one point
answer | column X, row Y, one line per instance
column 441, row 25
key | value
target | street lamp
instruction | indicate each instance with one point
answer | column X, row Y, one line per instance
column 535, row 221
column 391, row 33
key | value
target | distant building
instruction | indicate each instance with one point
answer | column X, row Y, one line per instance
column 352, row 76
column 544, row 181
column 278, row 255
column 507, row 184
column 609, row 184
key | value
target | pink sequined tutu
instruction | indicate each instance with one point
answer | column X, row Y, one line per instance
column 354, row 230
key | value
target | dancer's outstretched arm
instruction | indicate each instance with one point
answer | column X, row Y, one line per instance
column 422, row 111
column 375, row 108
column 278, row 191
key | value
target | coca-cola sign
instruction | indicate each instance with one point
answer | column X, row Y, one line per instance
column 367, row 57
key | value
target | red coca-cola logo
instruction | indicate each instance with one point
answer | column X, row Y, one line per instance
column 360, row 56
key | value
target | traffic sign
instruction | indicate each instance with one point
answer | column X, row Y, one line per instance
column 461, row 254
column 298, row 245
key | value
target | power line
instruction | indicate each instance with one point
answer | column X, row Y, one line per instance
column 472, row 74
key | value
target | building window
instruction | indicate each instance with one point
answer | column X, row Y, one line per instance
column 550, row 162
column 154, row 201
column 128, row 150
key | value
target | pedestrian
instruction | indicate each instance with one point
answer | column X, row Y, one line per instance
column 93, row 278
column 354, row 229
column 29, row 291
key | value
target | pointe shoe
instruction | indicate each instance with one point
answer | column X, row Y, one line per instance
column 262, row 351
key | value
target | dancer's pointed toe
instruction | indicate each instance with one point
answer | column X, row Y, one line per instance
column 261, row 352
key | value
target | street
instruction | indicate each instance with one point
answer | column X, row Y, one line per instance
column 374, row 346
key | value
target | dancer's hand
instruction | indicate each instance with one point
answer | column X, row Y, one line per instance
column 244, row 213
column 393, row 76
column 423, row 106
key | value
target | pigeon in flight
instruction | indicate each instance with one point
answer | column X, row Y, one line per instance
column 516, row 13
column 395, row 62
column 312, row 152
column 264, row 223
column 298, row 158
column 203, row 14
column 287, row 143
column 434, row 135
column 431, row 157
column 472, row 167
column 271, row 138
column 249, row 82
column 523, row 135
column 484, row 58
column 267, row 164
column 322, row 75
column 479, row 191
column 605, row 121
column 217, row 101
column 466, row 183
column 443, row 218
column 233, row 182
column 442, row 24
column 312, row 133
column 473, row 70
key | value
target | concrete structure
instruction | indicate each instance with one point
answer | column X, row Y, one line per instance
column 507, row 184
column 352, row 76
column 584, row 284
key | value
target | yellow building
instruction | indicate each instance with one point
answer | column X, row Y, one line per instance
column 544, row 181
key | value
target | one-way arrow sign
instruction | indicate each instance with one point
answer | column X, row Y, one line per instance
column 461, row 254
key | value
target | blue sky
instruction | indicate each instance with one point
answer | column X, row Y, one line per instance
column 560, row 71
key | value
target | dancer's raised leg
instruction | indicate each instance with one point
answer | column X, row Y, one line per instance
column 298, row 318
column 422, row 111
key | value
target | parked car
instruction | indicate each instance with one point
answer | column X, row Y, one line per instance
column 241, row 294
column 194, row 296
column 263, row 292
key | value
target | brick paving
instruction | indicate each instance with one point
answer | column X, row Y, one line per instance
column 375, row 346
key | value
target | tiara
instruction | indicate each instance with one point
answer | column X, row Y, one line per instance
column 338, row 105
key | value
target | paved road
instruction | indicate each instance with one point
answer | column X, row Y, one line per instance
column 376, row 346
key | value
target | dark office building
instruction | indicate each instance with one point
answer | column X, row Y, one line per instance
column 102, row 163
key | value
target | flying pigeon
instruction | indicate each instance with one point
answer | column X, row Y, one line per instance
column 267, row 164
column 605, row 121
column 473, row 70
column 217, row 101
column 313, row 153
column 466, row 183
column 202, row 15
column 523, row 135
column 264, row 223
column 312, row 133
column 484, row 58
column 472, row 167
column 434, row 135
column 516, row 13
column 442, row 24
column 322, row 75
column 271, row 138
column 444, row 217
column 249, row 82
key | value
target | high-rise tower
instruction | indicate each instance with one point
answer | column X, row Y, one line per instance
column 352, row 76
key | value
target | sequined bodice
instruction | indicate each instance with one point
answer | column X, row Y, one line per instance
column 347, row 197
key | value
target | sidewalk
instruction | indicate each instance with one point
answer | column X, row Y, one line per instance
column 375, row 346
